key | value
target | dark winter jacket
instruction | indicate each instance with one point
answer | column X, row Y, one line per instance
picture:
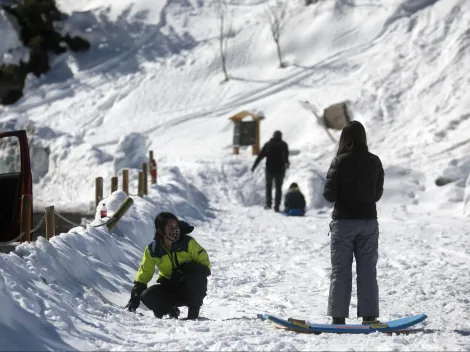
column 294, row 199
column 276, row 152
column 355, row 183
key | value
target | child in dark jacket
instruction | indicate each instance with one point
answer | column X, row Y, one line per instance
column 294, row 201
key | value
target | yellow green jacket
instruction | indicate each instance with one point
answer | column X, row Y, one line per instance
column 185, row 250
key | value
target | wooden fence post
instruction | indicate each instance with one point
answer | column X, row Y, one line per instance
column 152, row 168
column 114, row 184
column 125, row 181
column 140, row 187
column 25, row 223
column 98, row 190
column 125, row 205
column 256, row 146
column 50, row 222
column 144, row 170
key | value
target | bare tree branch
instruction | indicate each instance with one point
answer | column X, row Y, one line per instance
column 221, row 7
column 277, row 14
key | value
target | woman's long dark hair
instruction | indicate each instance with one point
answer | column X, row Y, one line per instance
column 162, row 219
column 353, row 137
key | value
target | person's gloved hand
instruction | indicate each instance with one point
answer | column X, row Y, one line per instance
column 134, row 302
column 252, row 169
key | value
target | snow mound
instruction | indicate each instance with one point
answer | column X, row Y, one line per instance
column 181, row 196
column 131, row 152
column 457, row 171
column 15, row 317
column 46, row 283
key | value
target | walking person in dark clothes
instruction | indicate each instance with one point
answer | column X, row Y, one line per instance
column 183, row 270
column 276, row 152
column 355, row 183
column 294, row 201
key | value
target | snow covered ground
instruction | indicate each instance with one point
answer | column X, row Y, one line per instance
column 152, row 81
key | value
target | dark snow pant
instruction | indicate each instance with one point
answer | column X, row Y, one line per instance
column 359, row 238
column 162, row 297
column 278, row 179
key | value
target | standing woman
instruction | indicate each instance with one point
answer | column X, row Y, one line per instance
column 355, row 183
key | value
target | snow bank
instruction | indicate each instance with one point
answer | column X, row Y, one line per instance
column 55, row 284
column 17, row 322
column 456, row 171
column 131, row 152
column 56, row 281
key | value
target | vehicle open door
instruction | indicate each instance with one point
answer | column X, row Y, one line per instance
column 15, row 181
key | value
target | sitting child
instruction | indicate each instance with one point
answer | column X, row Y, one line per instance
column 294, row 201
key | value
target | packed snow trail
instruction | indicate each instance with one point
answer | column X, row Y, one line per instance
column 264, row 262
column 78, row 284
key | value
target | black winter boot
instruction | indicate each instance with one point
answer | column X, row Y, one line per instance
column 174, row 313
column 337, row 320
column 369, row 320
column 158, row 315
column 193, row 313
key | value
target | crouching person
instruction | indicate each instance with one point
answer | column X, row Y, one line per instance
column 183, row 270
column 294, row 201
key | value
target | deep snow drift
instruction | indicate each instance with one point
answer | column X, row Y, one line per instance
column 152, row 81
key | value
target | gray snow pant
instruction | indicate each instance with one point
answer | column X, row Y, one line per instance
column 361, row 238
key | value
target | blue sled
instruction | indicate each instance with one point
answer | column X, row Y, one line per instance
column 294, row 212
column 386, row 326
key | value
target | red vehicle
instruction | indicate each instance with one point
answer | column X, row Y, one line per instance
column 15, row 181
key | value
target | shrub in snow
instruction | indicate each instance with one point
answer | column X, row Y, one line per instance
column 131, row 152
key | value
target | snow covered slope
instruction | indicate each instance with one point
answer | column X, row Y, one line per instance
column 154, row 70
column 152, row 80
